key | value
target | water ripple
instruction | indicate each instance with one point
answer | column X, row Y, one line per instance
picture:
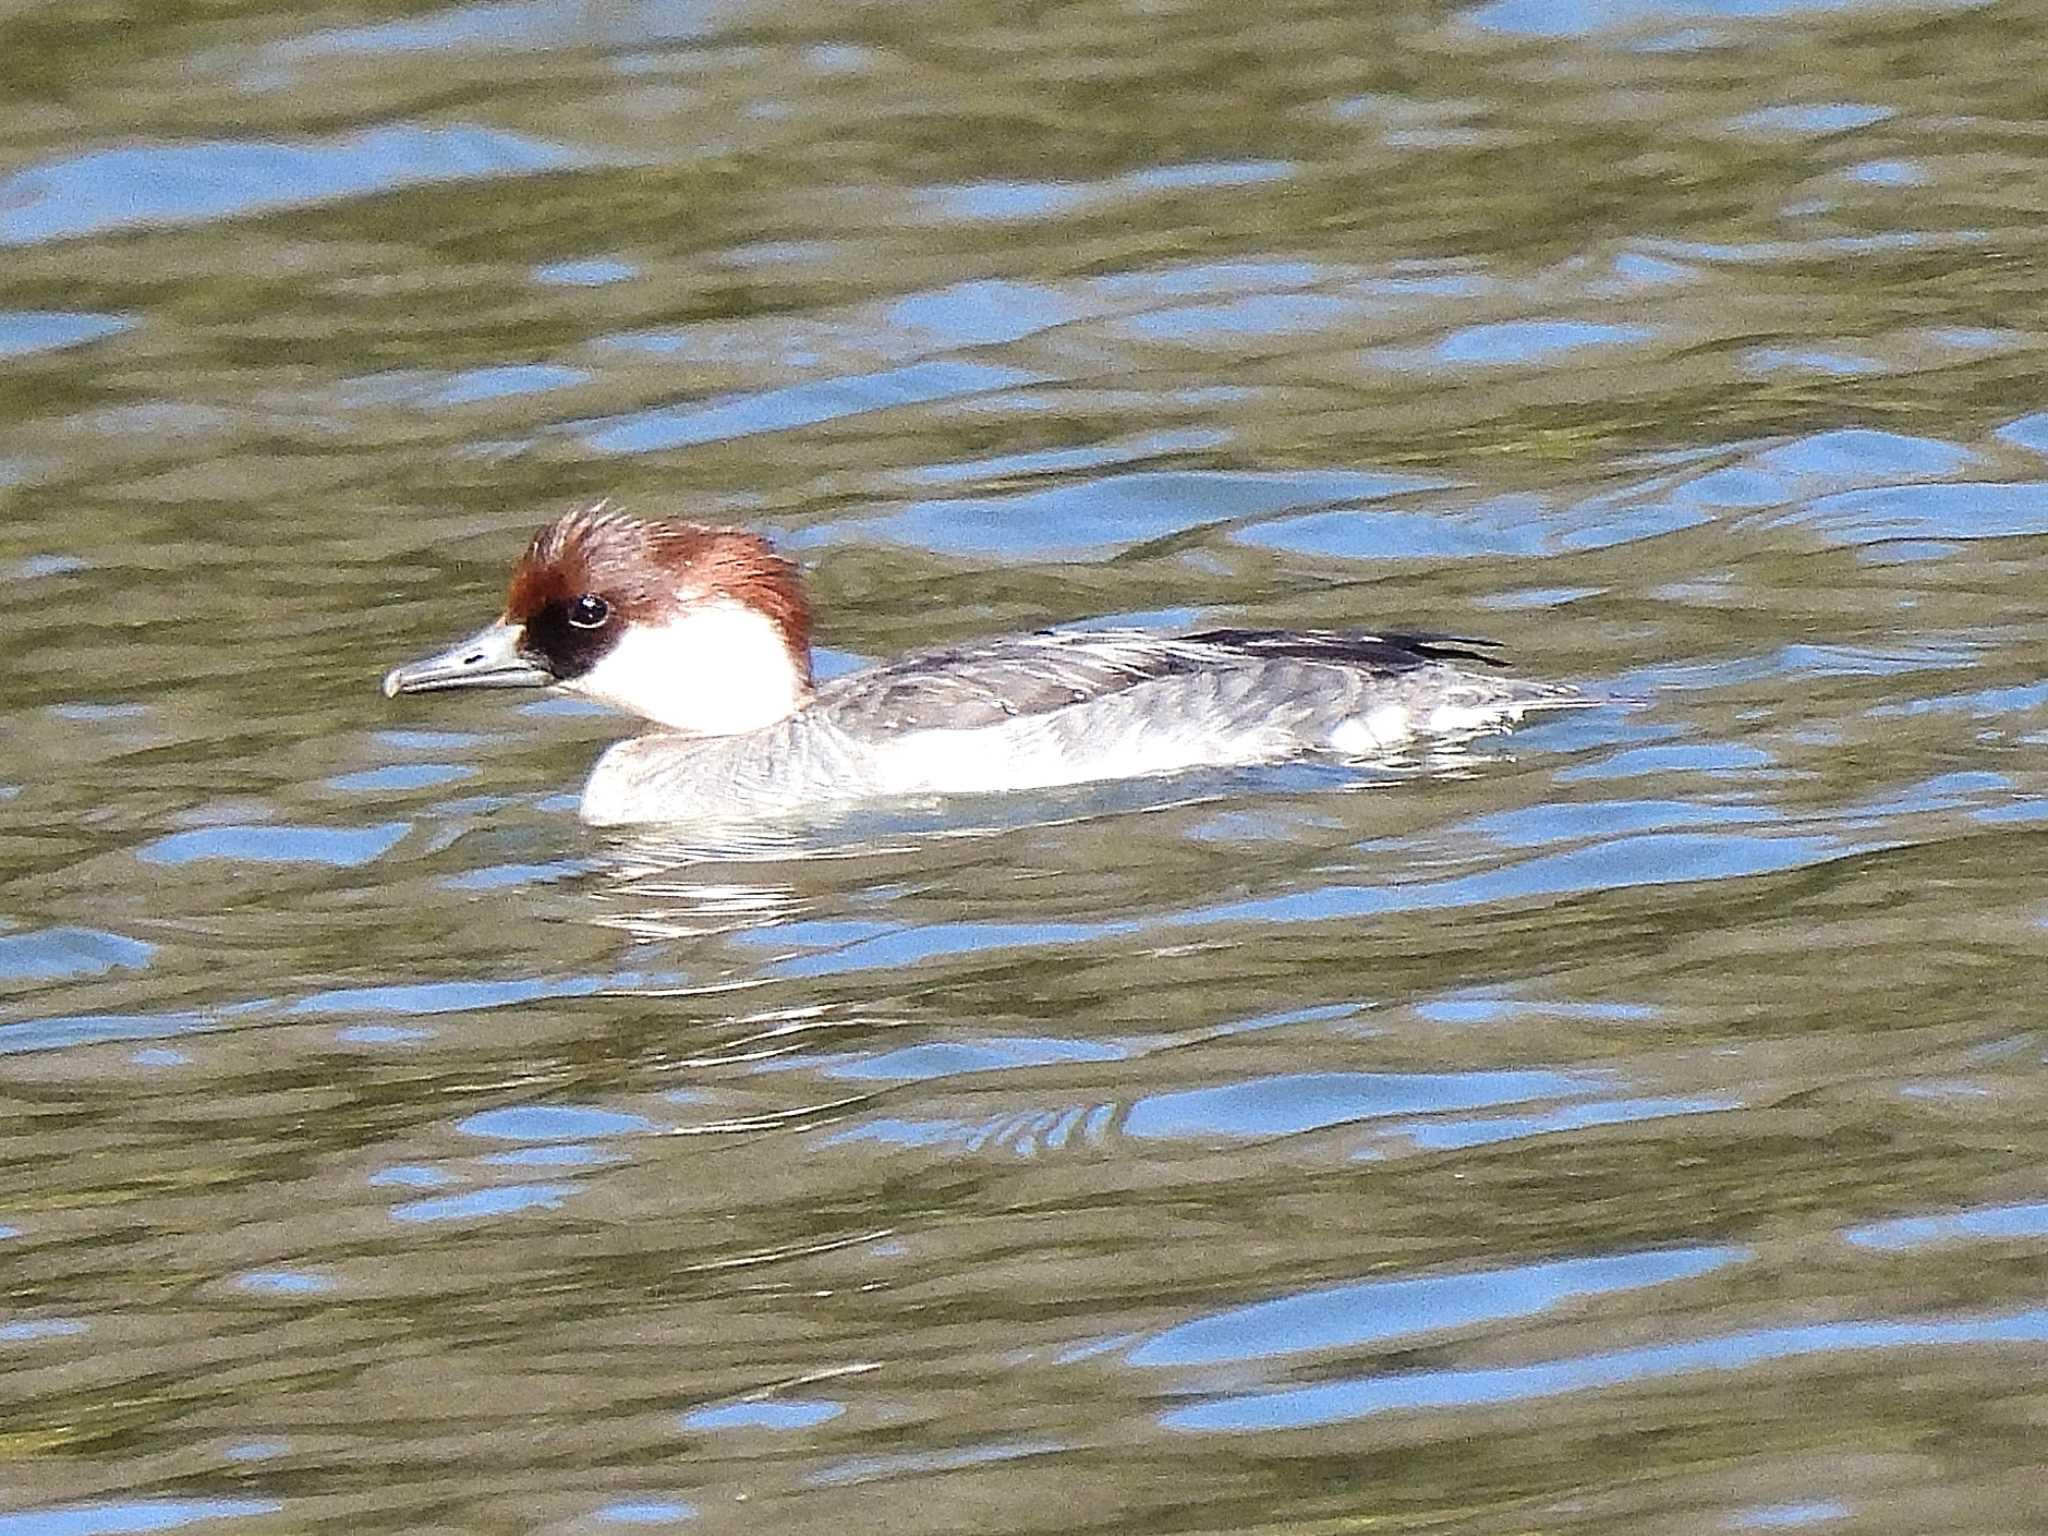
column 1290, row 1103
column 1381, row 1311
column 1411, row 1391
column 196, row 183
column 797, row 405
column 129, row 1516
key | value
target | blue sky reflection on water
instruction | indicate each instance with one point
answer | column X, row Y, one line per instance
column 1380, row 1311
column 1438, row 1391
column 1287, row 1105
column 1658, row 858
column 339, row 847
column 130, row 1516
column 186, row 183
column 798, row 405
column 2003, row 1223
column 1619, row 859
column 26, row 331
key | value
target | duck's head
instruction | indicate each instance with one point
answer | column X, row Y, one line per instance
column 705, row 630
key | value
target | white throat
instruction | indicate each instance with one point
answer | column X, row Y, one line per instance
column 717, row 669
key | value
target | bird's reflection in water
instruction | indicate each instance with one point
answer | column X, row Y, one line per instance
column 909, row 862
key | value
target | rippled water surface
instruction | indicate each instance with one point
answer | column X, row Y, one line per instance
column 1636, row 1125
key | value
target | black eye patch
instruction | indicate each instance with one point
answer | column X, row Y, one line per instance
column 569, row 637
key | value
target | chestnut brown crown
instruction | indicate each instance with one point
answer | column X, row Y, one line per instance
column 585, row 577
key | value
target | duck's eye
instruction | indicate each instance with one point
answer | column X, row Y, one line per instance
column 589, row 611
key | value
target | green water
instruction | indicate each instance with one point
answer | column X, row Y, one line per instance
column 1633, row 1127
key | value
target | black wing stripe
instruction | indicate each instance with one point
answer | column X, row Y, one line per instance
column 1394, row 651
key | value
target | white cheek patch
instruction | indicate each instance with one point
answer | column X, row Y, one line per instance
column 715, row 670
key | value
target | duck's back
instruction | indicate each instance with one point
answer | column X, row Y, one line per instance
column 1067, row 707
column 1016, row 676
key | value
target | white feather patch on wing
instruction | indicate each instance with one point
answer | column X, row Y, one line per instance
column 1374, row 731
column 1449, row 719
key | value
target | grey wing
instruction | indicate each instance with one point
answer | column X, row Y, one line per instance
column 990, row 681
column 1012, row 676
